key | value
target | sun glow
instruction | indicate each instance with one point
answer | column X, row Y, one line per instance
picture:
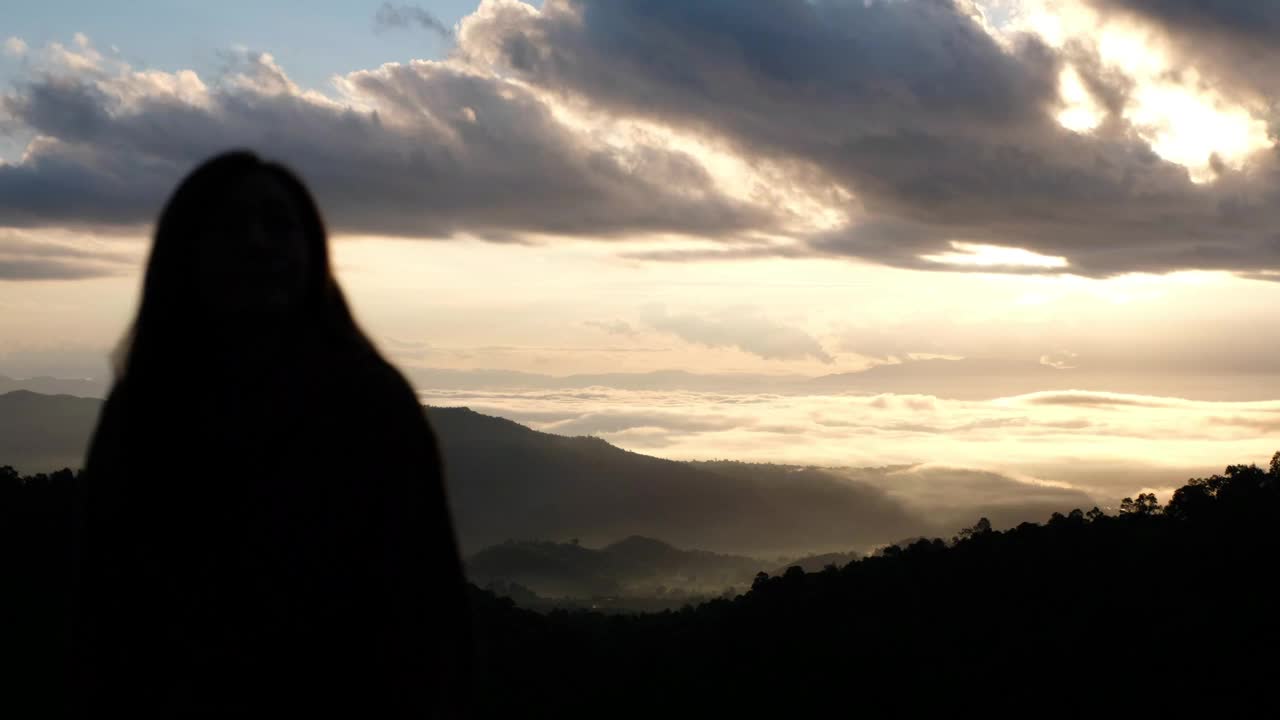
column 1081, row 112
column 1191, row 129
column 1168, row 104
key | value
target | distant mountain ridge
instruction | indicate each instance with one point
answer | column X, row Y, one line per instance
column 949, row 378
column 956, row 379
column 45, row 385
column 508, row 481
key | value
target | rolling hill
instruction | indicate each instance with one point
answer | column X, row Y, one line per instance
column 39, row 433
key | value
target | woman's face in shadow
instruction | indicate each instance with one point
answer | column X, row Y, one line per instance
column 252, row 255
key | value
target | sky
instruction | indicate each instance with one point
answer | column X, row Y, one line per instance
column 986, row 203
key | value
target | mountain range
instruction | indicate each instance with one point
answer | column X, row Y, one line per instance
column 509, row 482
column 954, row 378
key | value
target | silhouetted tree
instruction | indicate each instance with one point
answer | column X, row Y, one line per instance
column 982, row 527
column 1145, row 504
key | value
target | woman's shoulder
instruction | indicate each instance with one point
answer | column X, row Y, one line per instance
column 117, row 401
column 367, row 378
column 378, row 409
column 108, row 440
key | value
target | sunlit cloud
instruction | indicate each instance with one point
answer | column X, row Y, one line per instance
column 15, row 46
column 1169, row 104
column 809, row 202
column 1196, row 130
column 993, row 256
column 1081, row 112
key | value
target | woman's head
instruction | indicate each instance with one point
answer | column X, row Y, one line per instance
column 239, row 252
column 253, row 251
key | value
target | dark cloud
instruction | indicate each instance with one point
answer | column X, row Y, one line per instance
column 727, row 251
column 404, row 16
column 1257, row 19
column 744, row 329
column 436, row 150
column 932, row 130
column 940, row 133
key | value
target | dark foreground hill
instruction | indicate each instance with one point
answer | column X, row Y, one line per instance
column 510, row 482
column 1155, row 612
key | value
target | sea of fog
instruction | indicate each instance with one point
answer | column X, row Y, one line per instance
column 1105, row 445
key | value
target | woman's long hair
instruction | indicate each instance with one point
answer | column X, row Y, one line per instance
column 167, row 338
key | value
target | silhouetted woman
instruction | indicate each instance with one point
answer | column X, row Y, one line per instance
column 263, row 520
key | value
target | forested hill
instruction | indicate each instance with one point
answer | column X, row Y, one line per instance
column 510, row 482
column 633, row 566
column 1154, row 612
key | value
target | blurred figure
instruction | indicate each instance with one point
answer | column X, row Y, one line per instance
column 263, row 523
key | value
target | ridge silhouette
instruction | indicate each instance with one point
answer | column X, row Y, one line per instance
column 277, row 539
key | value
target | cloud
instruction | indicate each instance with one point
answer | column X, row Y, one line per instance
column 1091, row 399
column 1246, row 18
column 1062, row 360
column 956, row 497
column 881, row 344
column 941, row 131
column 904, row 132
column 1233, row 40
column 1257, row 424
column 403, row 16
column 957, row 459
column 1255, row 21
column 15, row 46
column 744, row 329
column 24, row 257
column 615, row 327
column 45, row 269
column 423, row 149
column 615, row 421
